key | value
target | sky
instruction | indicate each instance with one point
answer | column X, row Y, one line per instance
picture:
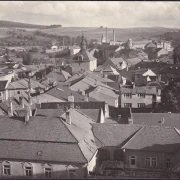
column 93, row 13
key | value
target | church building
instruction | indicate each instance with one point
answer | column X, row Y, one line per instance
column 83, row 60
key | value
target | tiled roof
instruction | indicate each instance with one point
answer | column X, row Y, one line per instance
column 144, row 89
column 16, row 85
column 154, row 138
column 23, row 84
column 37, row 129
column 94, row 114
column 62, row 92
column 87, row 56
column 133, row 61
column 73, row 142
column 170, row 119
column 171, row 69
column 58, row 76
column 114, row 134
column 56, row 113
column 87, row 83
column 50, row 152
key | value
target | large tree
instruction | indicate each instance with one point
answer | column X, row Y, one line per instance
column 27, row 58
column 170, row 98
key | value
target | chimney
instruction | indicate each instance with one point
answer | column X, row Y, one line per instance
column 162, row 122
column 86, row 98
column 83, row 93
column 71, row 98
column 10, row 109
column 21, row 101
column 106, row 35
column 101, row 116
column 134, row 85
column 114, row 36
column 119, row 118
column 68, row 117
column 28, row 114
column 130, row 119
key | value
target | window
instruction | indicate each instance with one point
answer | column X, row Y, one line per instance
column 72, row 173
column 148, row 162
column 141, row 95
column 7, row 170
column 133, row 160
column 48, row 172
column 168, row 163
column 18, row 92
column 128, row 95
column 151, row 162
column 141, row 105
column 127, row 105
column 28, row 171
column 0, row 93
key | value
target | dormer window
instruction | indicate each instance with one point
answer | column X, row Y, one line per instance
column 6, row 168
column 47, row 171
column 80, row 58
column 28, row 169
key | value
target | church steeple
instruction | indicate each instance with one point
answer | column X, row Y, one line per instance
column 83, row 42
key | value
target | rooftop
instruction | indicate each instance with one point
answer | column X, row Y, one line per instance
column 116, row 134
column 154, row 119
column 154, row 138
column 144, row 89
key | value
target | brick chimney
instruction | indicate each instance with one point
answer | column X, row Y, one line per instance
column 68, row 117
column 71, row 98
column 130, row 119
column 86, row 98
column 21, row 101
column 101, row 116
column 10, row 109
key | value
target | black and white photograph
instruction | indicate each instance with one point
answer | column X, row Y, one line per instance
column 89, row 89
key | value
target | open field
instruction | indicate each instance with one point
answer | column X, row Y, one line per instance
column 121, row 34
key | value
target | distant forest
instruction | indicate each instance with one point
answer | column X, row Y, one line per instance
column 12, row 24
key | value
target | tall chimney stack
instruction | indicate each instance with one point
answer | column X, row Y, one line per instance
column 10, row 110
column 114, row 38
column 106, row 35
column 68, row 117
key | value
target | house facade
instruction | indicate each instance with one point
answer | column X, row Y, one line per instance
column 139, row 97
column 139, row 151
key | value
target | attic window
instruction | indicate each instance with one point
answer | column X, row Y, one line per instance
column 80, row 58
column 39, row 153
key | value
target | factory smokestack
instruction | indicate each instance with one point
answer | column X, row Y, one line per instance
column 106, row 35
column 114, row 38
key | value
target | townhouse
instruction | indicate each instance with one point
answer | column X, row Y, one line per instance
column 138, row 151
column 139, row 97
column 41, row 147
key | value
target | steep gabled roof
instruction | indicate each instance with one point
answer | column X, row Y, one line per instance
column 154, row 138
column 114, row 134
column 37, row 129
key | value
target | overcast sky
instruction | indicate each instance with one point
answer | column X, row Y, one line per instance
column 93, row 14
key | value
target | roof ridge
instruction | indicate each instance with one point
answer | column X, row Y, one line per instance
column 133, row 136
column 177, row 130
